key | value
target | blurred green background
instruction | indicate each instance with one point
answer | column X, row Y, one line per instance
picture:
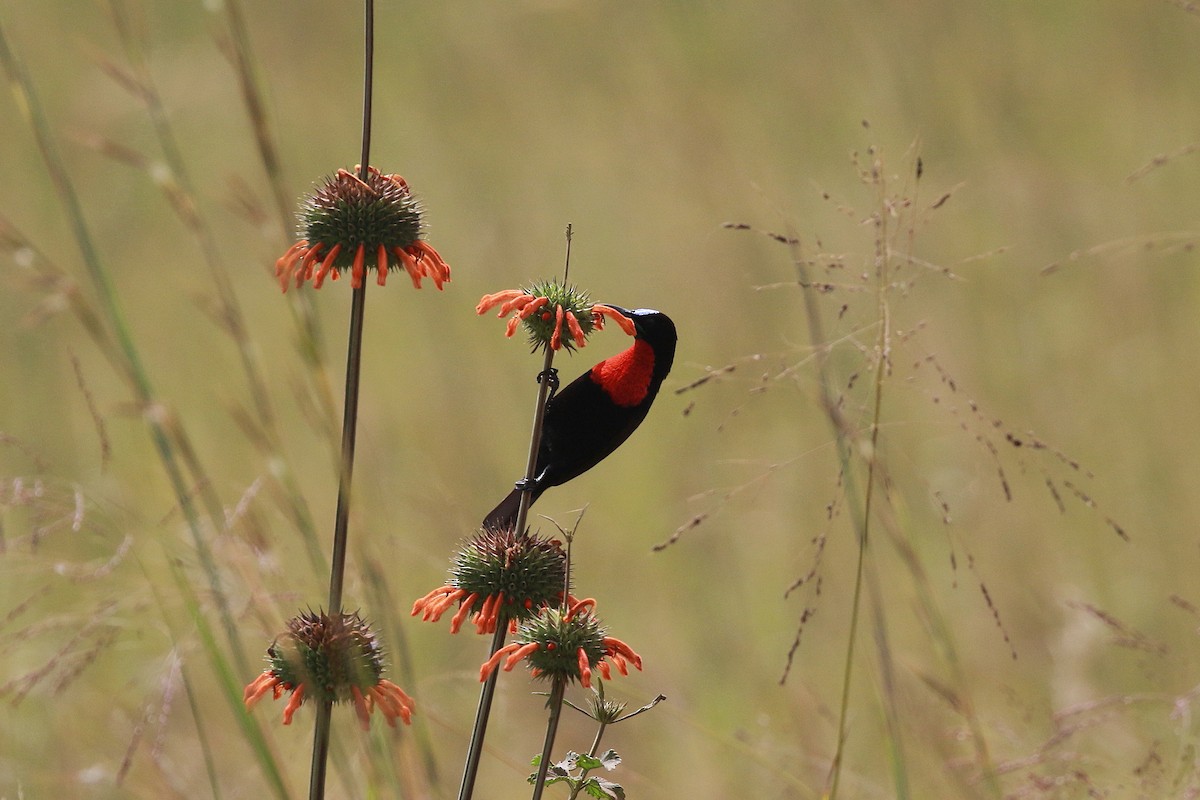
column 646, row 126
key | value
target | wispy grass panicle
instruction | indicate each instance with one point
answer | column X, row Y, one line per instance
column 848, row 303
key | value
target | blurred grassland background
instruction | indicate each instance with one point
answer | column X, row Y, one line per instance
column 647, row 126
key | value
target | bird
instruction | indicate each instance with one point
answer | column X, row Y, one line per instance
column 594, row 414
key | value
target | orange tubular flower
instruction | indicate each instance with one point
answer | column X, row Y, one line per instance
column 558, row 645
column 554, row 316
column 499, row 577
column 333, row 658
column 347, row 219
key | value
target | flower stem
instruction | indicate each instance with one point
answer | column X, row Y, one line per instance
column 337, row 569
column 475, row 750
column 592, row 752
column 555, row 704
column 341, row 523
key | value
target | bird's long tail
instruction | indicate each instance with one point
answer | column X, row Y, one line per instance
column 505, row 514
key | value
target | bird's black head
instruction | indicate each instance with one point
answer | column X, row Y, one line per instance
column 657, row 330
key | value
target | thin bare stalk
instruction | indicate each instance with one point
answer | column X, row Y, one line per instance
column 479, row 730
column 555, row 704
column 595, row 748
column 337, row 569
column 882, row 347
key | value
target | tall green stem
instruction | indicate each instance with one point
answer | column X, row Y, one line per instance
column 337, row 568
column 555, row 704
column 475, row 750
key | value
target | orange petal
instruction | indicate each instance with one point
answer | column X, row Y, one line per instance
column 518, row 654
column 427, row 599
column 617, row 646
column 532, row 306
column 326, row 265
column 391, row 700
column 285, row 263
column 457, row 620
column 410, row 266
column 258, row 687
column 574, row 608
column 490, row 665
column 381, row 263
column 556, row 338
column 521, row 301
column 359, row 268
column 576, row 331
column 294, row 703
column 608, row 311
column 310, row 257
column 490, row 301
column 438, row 270
column 585, row 670
column 361, row 708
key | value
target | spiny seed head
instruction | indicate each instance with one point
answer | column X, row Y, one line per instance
column 554, row 315
column 606, row 711
column 328, row 655
column 559, row 641
column 350, row 211
column 542, row 325
column 529, row 571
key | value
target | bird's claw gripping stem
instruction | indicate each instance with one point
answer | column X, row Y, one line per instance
column 551, row 378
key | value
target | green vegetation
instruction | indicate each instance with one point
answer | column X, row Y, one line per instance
column 1022, row 461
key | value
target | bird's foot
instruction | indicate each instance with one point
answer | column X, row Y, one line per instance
column 524, row 485
column 550, row 376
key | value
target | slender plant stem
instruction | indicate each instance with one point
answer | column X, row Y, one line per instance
column 337, row 568
column 555, row 703
column 475, row 749
column 883, row 353
column 595, row 748
column 843, row 432
column 337, row 571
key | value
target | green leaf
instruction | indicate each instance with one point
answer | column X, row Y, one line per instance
column 569, row 761
column 550, row 778
column 603, row 790
column 588, row 763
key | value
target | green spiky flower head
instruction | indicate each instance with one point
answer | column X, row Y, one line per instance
column 328, row 655
column 359, row 222
column 333, row 658
column 561, row 638
column 498, row 577
column 528, row 571
column 555, row 315
column 564, row 645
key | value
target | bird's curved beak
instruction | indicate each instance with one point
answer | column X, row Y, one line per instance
column 624, row 311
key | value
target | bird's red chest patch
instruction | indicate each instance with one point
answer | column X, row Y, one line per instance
column 626, row 376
